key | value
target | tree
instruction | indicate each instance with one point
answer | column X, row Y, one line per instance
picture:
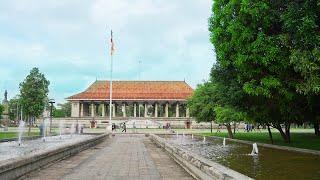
column 248, row 37
column 201, row 104
column 230, row 98
column 1, row 110
column 218, row 97
column 14, row 108
column 302, row 24
column 64, row 110
column 58, row 113
column 34, row 91
column 228, row 114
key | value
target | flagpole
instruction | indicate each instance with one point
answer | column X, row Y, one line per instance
column 110, row 103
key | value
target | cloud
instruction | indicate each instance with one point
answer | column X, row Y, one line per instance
column 118, row 14
column 69, row 41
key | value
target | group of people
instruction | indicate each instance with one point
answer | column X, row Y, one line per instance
column 122, row 125
column 167, row 126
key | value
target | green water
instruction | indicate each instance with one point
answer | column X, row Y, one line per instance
column 268, row 164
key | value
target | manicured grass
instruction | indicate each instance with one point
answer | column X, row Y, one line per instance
column 13, row 132
column 306, row 140
column 8, row 135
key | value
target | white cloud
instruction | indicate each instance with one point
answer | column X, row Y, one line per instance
column 117, row 14
column 69, row 41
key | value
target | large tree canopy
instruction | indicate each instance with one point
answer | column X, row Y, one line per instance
column 301, row 22
column 33, row 94
column 267, row 61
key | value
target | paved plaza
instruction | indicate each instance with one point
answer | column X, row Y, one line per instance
column 119, row 157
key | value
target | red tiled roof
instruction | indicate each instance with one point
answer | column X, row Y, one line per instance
column 136, row 90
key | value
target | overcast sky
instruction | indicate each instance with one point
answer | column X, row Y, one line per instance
column 69, row 41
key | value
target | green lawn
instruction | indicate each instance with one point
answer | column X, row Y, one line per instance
column 7, row 135
column 300, row 138
column 13, row 132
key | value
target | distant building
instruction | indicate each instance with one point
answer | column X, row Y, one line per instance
column 131, row 99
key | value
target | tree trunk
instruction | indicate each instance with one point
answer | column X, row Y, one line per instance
column 316, row 128
column 211, row 127
column 287, row 129
column 29, row 120
column 229, row 131
column 270, row 134
column 283, row 134
column 234, row 128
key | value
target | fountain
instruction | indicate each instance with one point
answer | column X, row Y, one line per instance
column 183, row 134
column 21, row 130
column 224, row 142
column 204, row 139
column 79, row 128
column 254, row 149
column 191, row 136
column 45, row 125
column 72, row 129
column 61, row 126
column 33, row 153
column 177, row 134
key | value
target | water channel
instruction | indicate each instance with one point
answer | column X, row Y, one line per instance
column 268, row 164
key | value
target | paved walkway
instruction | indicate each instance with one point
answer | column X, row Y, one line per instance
column 120, row 157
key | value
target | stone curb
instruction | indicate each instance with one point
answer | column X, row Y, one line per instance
column 198, row 166
column 14, row 168
column 285, row 148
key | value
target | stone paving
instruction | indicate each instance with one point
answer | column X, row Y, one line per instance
column 119, row 157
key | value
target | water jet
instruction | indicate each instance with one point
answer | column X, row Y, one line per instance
column 61, row 126
column 21, row 130
column 254, row 149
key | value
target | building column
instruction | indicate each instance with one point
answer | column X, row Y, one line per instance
column 187, row 112
column 113, row 110
column 81, row 110
column 75, row 109
column 145, row 110
column 134, row 110
column 103, row 110
column 124, row 110
column 139, row 105
column 156, row 110
column 93, row 109
column 177, row 110
column 167, row 110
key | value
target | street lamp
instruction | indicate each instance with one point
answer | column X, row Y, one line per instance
column 51, row 101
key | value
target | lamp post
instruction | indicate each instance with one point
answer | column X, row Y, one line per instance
column 51, row 101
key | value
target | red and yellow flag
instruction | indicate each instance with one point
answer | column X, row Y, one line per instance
column 112, row 49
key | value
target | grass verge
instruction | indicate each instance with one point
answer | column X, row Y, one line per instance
column 299, row 139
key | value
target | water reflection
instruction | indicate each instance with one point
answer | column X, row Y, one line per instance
column 268, row 164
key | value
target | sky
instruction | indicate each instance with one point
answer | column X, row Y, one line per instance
column 69, row 42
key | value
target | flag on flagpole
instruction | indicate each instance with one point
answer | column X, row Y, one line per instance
column 112, row 49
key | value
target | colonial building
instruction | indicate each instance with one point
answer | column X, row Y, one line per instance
column 133, row 99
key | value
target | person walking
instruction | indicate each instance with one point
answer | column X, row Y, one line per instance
column 124, row 128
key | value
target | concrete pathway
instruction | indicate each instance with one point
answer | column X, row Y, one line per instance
column 120, row 157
